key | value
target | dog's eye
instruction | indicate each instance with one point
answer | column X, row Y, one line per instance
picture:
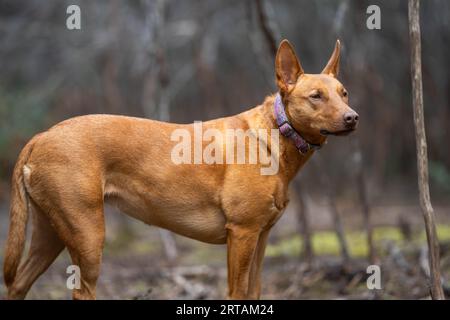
column 344, row 93
column 316, row 95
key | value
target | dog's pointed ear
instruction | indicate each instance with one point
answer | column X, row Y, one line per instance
column 287, row 67
column 332, row 67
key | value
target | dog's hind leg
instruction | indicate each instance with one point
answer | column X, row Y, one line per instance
column 44, row 249
column 74, row 207
column 85, row 246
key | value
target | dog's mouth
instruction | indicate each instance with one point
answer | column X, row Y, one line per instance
column 337, row 133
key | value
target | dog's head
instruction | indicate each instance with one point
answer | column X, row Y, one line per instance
column 317, row 104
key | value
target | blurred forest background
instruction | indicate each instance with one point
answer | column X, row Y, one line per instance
column 182, row 61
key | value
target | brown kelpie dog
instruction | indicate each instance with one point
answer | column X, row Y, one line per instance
column 65, row 175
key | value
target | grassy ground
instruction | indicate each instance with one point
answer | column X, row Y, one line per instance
column 326, row 243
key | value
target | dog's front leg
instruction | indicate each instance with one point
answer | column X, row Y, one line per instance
column 254, row 290
column 242, row 243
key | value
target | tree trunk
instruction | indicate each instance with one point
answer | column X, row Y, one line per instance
column 159, row 103
column 421, row 147
column 338, row 228
column 305, row 228
column 270, row 35
column 329, row 192
column 364, row 201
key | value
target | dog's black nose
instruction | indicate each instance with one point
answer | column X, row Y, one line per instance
column 351, row 118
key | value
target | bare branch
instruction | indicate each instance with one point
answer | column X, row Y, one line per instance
column 264, row 24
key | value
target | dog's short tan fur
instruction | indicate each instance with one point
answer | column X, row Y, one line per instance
column 65, row 175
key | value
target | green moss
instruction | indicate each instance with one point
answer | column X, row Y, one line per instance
column 287, row 247
column 443, row 232
column 326, row 242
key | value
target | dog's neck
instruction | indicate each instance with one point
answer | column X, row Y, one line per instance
column 288, row 130
column 291, row 160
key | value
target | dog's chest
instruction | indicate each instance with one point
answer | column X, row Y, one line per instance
column 279, row 204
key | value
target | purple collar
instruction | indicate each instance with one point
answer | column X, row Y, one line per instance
column 288, row 130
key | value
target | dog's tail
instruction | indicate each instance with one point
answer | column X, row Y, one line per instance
column 18, row 217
